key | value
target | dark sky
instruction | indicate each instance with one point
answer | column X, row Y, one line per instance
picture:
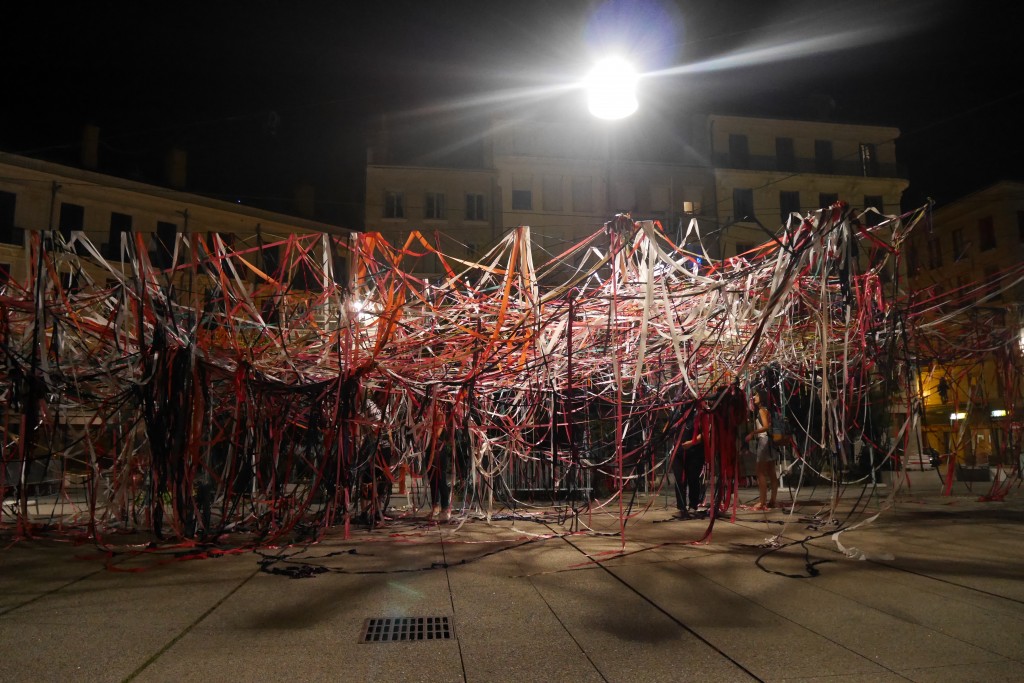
column 266, row 95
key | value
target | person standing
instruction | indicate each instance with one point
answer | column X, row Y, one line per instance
column 687, row 465
column 767, row 477
column 438, row 472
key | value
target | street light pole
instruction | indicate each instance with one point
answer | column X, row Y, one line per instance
column 611, row 95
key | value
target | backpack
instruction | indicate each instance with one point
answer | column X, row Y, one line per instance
column 779, row 427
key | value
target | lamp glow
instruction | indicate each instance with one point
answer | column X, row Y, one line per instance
column 999, row 412
column 611, row 89
column 957, row 416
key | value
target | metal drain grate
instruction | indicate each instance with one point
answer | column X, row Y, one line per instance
column 395, row 629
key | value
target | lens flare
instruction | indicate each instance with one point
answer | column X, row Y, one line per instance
column 611, row 89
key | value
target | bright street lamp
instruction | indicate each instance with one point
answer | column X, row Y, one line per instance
column 611, row 89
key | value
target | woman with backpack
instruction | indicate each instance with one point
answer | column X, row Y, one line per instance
column 767, row 477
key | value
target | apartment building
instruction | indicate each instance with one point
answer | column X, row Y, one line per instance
column 38, row 196
column 970, row 256
column 735, row 176
column 765, row 170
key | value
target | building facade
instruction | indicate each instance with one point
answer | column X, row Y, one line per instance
column 41, row 196
column 968, row 264
column 765, row 170
column 729, row 174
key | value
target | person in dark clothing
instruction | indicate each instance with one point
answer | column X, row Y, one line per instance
column 687, row 464
column 439, row 468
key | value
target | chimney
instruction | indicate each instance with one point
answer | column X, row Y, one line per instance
column 305, row 203
column 175, row 168
column 90, row 146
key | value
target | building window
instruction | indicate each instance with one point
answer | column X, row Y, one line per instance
column 827, row 199
column 552, row 197
column 271, row 260
column 522, row 200
column 624, row 197
column 475, row 207
column 8, row 233
column 394, row 204
column 934, row 253
column 308, row 277
column 992, row 282
column 877, row 260
column 742, row 204
column 964, row 289
column 471, row 249
column 986, row 234
column 785, row 154
column 743, row 248
column 938, row 297
column 911, row 254
column 582, row 194
column 789, row 203
column 660, row 199
column 433, row 206
column 70, row 282
column 868, row 159
column 823, row 156
column 120, row 224
column 166, row 234
column 959, row 248
column 339, row 269
column 228, row 238
column 72, row 217
column 873, row 201
column 739, row 151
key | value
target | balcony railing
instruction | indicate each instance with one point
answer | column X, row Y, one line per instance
column 843, row 167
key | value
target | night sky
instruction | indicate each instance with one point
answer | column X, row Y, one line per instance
column 268, row 95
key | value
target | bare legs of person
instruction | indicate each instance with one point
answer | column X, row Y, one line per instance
column 767, row 479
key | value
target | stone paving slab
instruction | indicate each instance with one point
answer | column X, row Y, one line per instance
column 537, row 597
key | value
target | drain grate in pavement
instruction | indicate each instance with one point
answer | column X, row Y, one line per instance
column 395, row 629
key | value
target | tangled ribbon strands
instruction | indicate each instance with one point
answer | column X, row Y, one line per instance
column 281, row 388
